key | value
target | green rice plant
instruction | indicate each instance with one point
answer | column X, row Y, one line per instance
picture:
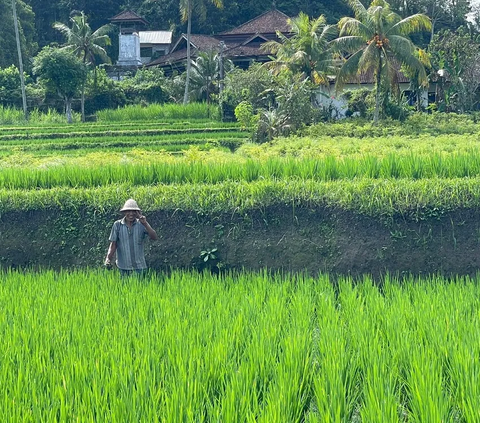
column 156, row 111
column 428, row 400
column 391, row 167
column 415, row 199
column 11, row 115
column 371, row 166
column 89, row 345
column 337, row 371
column 289, row 394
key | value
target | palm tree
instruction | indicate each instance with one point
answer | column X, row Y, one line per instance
column 20, row 59
column 85, row 44
column 205, row 73
column 377, row 40
column 307, row 50
column 186, row 9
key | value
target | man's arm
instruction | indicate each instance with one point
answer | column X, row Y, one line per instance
column 151, row 232
column 110, row 253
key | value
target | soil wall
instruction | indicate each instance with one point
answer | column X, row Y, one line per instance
column 279, row 238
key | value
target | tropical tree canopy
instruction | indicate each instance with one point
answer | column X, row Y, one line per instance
column 84, row 43
column 206, row 73
column 61, row 72
column 307, row 50
column 377, row 40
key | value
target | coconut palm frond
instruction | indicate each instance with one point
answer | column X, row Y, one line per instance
column 348, row 70
column 401, row 45
column 353, row 26
column 271, row 46
column 369, row 59
column 358, row 9
column 348, row 44
column 411, row 24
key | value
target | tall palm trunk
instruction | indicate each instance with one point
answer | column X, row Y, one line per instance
column 378, row 93
column 189, row 31
column 82, row 102
column 68, row 109
column 20, row 61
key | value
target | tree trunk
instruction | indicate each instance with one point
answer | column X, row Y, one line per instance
column 68, row 109
column 82, row 103
column 378, row 93
column 189, row 31
column 20, row 61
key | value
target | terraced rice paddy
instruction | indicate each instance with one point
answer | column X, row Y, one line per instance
column 85, row 345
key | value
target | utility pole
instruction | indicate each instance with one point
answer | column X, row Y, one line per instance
column 20, row 61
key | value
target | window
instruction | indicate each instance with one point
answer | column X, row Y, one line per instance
column 145, row 51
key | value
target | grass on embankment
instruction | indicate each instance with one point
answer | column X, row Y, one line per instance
column 378, row 198
column 168, row 111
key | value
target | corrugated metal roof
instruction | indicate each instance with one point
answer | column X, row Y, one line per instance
column 155, row 37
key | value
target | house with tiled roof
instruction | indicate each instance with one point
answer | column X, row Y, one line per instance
column 241, row 45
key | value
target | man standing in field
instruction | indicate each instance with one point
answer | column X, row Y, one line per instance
column 127, row 240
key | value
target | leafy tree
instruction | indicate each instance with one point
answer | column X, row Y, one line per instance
column 307, row 50
column 377, row 41
column 291, row 94
column 26, row 28
column 61, row 72
column 85, row 44
column 246, row 85
column 187, row 7
column 102, row 92
column 455, row 58
column 10, row 90
column 148, row 86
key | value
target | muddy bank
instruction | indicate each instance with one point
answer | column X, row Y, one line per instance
column 279, row 238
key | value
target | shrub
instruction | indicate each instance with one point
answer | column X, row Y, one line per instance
column 147, row 85
column 103, row 92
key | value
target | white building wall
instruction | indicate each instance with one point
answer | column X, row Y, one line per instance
column 129, row 50
column 329, row 99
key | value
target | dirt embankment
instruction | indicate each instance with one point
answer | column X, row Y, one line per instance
column 279, row 238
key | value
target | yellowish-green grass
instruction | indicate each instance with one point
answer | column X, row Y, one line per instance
column 321, row 147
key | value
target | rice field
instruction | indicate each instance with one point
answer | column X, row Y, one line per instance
column 161, row 169
column 249, row 347
column 188, row 347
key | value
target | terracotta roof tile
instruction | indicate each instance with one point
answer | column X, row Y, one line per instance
column 270, row 21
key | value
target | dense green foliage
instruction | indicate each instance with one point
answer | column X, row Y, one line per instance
column 62, row 73
column 309, row 53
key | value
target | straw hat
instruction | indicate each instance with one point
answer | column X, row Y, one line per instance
column 130, row 204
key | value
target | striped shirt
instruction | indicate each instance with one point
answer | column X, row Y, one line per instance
column 130, row 244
